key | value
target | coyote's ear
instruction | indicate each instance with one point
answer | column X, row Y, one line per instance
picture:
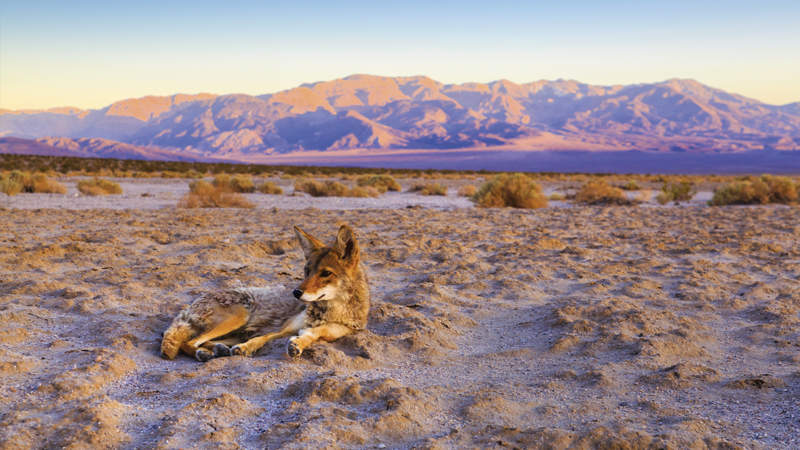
column 308, row 242
column 346, row 245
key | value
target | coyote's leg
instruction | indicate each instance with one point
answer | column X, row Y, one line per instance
column 221, row 347
column 236, row 319
column 308, row 336
column 292, row 326
column 176, row 335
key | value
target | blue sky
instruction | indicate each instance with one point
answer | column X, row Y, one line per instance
column 89, row 54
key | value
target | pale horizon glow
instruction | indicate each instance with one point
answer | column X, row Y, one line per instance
column 91, row 54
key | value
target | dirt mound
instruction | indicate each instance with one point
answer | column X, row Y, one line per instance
column 349, row 411
column 681, row 376
column 207, row 422
column 600, row 437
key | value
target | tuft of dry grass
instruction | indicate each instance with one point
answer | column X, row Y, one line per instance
column 762, row 190
column 330, row 188
column 429, row 189
column 43, row 184
column 380, row 183
column 99, row 186
column 268, row 187
column 557, row 196
column 363, row 192
column 515, row 190
column 18, row 181
column 241, row 183
column 467, row 190
column 9, row 185
column 599, row 192
column 631, row 185
column 678, row 191
column 203, row 194
column 316, row 188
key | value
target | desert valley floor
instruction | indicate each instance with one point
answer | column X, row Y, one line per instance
column 580, row 327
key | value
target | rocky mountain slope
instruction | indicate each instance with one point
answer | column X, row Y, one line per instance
column 93, row 148
column 372, row 112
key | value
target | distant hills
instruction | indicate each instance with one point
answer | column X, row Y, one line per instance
column 380, row 114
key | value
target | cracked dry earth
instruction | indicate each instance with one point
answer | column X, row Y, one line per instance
column 583, row 327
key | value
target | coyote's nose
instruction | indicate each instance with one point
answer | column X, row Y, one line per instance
column 297, row 293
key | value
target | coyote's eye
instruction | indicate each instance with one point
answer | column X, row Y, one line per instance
column 325, row 273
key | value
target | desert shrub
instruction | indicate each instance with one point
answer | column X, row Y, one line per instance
column 17, row 181
column 380, row 183
column 43, row 184
column 762, row 190
column 316, row 188
column 329, row 188
column 268, row 187
column 631, row 185
column 678, row 191
column 467, row 190
column 599, row 192
column 222, row 180
column 557, row 196
column 203, row 194
column 515, row 190
column 429, row 189
column 782, row 189
column 242, row 183
column 99, row 186
column 10, row 186
column 363, row 192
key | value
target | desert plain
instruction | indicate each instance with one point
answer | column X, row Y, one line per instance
column 563, row 327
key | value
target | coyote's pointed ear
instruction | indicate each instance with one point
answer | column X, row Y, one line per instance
column 346, row 245
column 308, row 242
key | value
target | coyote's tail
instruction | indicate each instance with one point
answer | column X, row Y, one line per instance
column 177, row 333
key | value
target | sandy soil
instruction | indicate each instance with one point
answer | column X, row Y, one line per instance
column 583, row 327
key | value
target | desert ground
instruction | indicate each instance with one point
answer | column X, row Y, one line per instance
column 563, row 327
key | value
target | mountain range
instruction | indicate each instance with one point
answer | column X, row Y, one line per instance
column 381, row 114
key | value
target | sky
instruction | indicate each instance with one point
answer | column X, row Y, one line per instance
column 89, row 54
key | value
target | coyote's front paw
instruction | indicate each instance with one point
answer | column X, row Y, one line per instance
column 221, row 350
column 240, row 350
column 203, row 355
column 293, row 349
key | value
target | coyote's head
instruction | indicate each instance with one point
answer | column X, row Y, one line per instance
column 329, row 271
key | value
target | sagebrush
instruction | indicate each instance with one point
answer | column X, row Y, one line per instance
column 17, row 181
column 380, row 183
column 510, row 190
column 678, row 191
column 268, row 187
column 203, row 194
column 599, row 192
column 330, row 188
column 429, row 189
column 99, row 186
column 761, row 190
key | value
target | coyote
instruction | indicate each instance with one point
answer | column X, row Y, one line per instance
column 333, row 302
